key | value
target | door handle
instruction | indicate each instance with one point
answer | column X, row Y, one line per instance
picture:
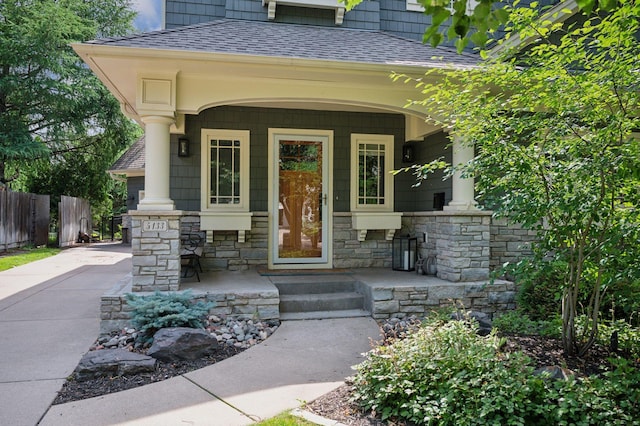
column 324, row 199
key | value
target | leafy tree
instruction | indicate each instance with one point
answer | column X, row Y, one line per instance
column 553, row 132
column 51, row 104
column 478, row 25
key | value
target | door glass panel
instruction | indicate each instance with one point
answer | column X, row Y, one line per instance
column 300, row 199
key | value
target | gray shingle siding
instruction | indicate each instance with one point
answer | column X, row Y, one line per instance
column 410, row 198
column 185, row 172
column 369, row 15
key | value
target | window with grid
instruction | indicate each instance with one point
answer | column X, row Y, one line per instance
column 371, row 178
column 225, row 169
column 371, row 173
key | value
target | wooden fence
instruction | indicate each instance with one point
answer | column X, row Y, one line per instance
column 24, row 219
column 74, row 219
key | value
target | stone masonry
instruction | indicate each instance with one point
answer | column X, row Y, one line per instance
column 460, row 242
column 155, row 245
column 116, row 313
column 419, row 298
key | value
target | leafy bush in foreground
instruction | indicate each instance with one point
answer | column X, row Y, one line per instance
column 444, row 374
column 160, row 310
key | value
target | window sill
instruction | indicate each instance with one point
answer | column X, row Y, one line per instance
column 226, row 221
column 363, row 222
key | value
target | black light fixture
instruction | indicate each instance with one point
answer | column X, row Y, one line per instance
column 408, row 153
column 183, row 147
column 403, row 253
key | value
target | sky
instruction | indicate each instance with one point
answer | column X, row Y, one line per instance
column 149, row 15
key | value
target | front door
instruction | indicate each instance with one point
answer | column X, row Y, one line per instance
column 300, row 201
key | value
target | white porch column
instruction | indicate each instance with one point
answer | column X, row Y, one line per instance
column 462, row 188
column 157, row 164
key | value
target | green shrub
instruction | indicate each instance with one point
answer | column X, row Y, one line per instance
column 445, row 374
column 622, row 301
column 518, row 322
column 160, row 310
column 628, row 337
column 539, row 288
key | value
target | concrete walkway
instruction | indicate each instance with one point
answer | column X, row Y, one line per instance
column 49, row 317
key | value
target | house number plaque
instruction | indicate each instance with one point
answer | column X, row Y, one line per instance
column 155, row 225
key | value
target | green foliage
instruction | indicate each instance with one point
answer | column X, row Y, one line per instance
column 455, row 21
column 519, row 323
column 445, row 374
column 60, row 128
column 24, row 256
column 160, row 310
column 628, row 337
column 553, row 132
column 285, row 419
column 539, row 287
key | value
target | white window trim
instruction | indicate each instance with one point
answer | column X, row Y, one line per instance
column 244, row 137
column 414, row 6
column 388, row 142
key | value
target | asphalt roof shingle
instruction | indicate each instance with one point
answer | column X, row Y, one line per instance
column 132, row 159
column 278, row 40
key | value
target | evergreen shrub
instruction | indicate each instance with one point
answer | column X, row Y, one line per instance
column 161, row 310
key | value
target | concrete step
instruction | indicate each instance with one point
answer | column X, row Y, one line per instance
column 321, row 302
column 347, row 313
column 314, row 286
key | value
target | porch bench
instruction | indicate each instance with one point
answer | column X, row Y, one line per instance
column 191, row 251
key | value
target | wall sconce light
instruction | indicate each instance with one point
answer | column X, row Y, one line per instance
column 408, row 153
column 183, row 147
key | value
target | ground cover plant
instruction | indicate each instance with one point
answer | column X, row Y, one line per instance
column 446, row 374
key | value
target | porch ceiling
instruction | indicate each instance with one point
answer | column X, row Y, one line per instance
column 257, row 63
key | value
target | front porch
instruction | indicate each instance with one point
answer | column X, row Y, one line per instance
column 250, row 294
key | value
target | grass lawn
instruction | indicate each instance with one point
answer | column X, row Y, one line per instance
column 23, row 256
column 285, row 419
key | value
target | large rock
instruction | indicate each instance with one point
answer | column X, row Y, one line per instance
column 554, row 372
column 112, row 362
column 483, row 320
column 182, row 343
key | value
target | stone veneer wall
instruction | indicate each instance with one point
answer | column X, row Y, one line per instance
column 224, row 252
column 458, row 241
column 348, row 252
column 509, row 242
column 115, row 313
column 419, row 298
column 465, row 246
column 156, row 252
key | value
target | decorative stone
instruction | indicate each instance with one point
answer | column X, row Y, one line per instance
column 483, row 320
column 554, row 372
column 182, row 343
column 112, row 362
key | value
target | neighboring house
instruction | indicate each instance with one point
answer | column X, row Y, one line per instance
column 272, row 126
column 130, row 168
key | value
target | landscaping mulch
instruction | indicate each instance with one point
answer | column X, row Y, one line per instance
column 335, row 405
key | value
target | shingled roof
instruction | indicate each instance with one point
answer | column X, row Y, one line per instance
column 132, row 160
column 278, row 40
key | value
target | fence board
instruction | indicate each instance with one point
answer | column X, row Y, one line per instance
column 41, row 219
column 23, row 217
column 74, row 217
